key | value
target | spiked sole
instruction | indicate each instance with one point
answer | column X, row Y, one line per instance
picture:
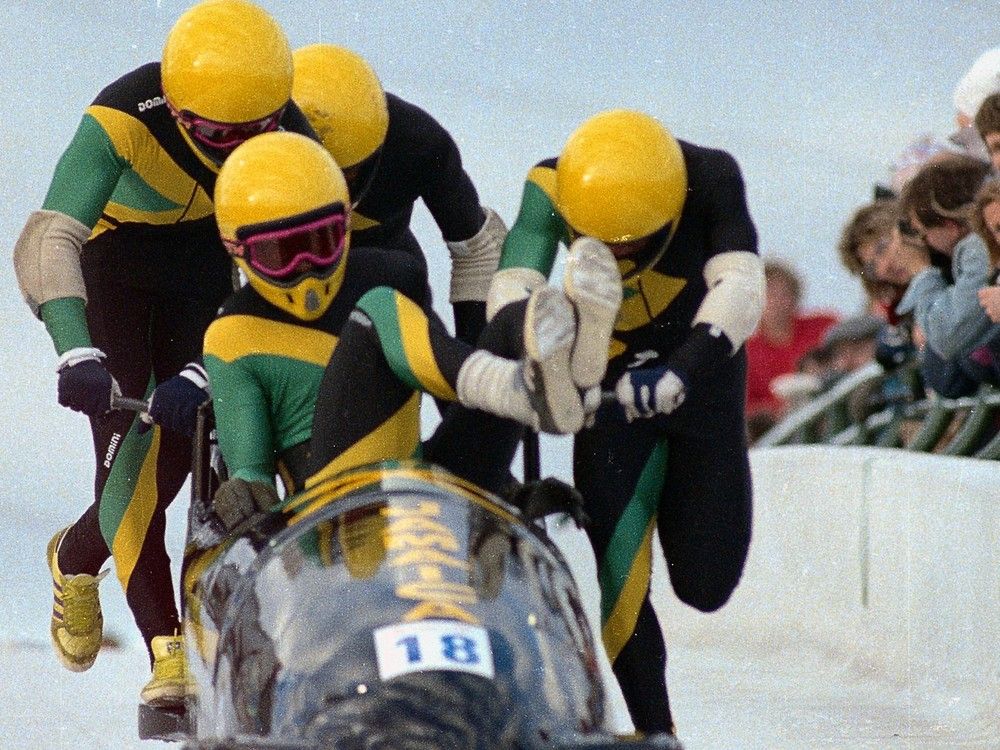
column 549, row 329
column 593, row 284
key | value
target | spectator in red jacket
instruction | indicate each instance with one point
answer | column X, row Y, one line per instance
column 784, row 336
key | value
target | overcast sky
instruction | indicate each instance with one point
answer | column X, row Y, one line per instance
column 813, row 102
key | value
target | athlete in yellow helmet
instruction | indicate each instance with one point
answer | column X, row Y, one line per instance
column 300, row 275
column 227, row 75
column 124, row 266
column 394, row 153
column 675, row 216
column 281, row 211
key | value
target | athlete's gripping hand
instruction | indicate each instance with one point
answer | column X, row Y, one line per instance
column 174, row 404
column 648, row 391
column 85, row 385
column 238, row 502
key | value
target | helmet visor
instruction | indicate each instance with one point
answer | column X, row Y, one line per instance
column 278, row 249
column 225, row 135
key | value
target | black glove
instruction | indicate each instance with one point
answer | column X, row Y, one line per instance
column 174, row 403
column 546, row 496
column 85, row 385
column 238, row 503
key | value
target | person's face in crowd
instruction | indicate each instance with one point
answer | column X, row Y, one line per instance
column 992, row 141
column 869, row 254
column 991, row 218
column 942, row 237
column 781, row 302
column 848, row 356
column 887, row 262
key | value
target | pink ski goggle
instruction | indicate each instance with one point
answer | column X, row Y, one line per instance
column 225, row 135
column 278, row 248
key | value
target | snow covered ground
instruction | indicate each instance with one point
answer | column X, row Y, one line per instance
column 46, row 706
column 727, row 691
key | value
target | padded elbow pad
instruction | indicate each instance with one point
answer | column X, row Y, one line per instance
column 475, row 260
column 47, row 258
column 735, row 298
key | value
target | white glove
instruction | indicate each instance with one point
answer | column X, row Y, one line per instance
column 648, row 391
column 510, row 285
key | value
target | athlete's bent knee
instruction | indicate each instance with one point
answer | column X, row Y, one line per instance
column 707, row 593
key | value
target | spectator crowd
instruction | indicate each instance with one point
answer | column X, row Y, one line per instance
column 926, row 250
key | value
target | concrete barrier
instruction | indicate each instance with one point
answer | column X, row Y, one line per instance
column 890, row 560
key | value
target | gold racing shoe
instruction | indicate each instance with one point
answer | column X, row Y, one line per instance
column 77, row 625
column 169, row 683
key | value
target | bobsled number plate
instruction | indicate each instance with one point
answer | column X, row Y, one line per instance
column 433, row 645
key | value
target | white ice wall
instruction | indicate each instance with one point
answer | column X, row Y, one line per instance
column 889, row 560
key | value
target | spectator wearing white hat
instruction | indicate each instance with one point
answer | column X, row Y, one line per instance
column 979, row 81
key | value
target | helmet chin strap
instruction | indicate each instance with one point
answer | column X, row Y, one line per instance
column 205, row 155
column 648, row 257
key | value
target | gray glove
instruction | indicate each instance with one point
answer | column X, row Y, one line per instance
column 238, row 502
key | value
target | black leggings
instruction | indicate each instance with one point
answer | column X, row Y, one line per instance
column 695, row 491
column 365, row 410
column 149, row 332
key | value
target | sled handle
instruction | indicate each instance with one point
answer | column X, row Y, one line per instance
column 124, row 403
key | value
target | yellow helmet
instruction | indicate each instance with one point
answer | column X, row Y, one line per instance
column 281, row 204
column 343, row 100
column 227, row 61
column 621, row 177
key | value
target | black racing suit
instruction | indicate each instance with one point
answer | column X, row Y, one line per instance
column 155, row 273
column 419, row 159
column 686, row 474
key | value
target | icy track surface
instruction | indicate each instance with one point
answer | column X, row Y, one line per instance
column 792, row 662
column 726, row 693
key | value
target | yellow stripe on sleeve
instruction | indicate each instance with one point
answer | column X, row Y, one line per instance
column 415, row 334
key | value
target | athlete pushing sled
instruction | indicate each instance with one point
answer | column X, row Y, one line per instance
column 393, row 606
column 390, row 603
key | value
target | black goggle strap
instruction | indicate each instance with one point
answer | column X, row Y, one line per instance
column 291, row 222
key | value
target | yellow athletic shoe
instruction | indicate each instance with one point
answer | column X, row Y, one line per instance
column 168, row 684
column 77, row 625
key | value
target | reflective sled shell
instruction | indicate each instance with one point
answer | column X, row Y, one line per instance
column 460, row 590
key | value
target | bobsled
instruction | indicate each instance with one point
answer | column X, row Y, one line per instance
column 394, row 606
